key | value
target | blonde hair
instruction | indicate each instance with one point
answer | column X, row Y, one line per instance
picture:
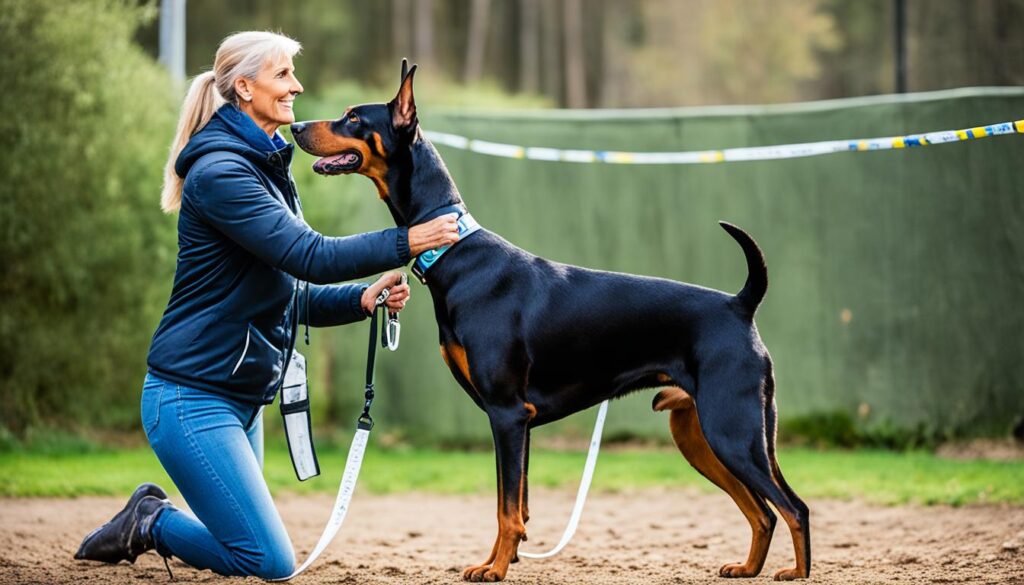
column 239, row 55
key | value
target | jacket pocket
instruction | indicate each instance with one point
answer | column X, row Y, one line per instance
column 259, row 364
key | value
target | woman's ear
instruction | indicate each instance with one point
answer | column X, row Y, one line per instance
column 243, row 89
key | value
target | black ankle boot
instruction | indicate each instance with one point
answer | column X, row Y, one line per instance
column 126, row 535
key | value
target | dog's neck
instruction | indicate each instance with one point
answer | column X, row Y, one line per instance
column 420, row 185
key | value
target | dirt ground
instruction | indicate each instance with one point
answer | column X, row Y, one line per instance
column 649, row 536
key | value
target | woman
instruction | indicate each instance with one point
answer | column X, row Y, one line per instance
column 249, row 272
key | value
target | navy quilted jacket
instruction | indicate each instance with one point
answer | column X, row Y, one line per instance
column 245, row 256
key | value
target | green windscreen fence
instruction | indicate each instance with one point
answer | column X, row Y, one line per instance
column 896, row 277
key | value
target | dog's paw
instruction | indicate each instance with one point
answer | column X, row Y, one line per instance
column 736, row 570
column 789, row 575
column 482, row 573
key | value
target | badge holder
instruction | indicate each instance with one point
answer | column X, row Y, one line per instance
column 297, row 423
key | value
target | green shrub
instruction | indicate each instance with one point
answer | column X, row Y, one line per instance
column 839, row 429
column 87, row 257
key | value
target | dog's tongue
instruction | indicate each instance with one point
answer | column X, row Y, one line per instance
column 336, row 162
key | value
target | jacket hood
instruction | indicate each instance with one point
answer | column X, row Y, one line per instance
column 233, row 130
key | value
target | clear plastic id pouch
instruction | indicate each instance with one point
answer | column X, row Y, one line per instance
column 297, row 422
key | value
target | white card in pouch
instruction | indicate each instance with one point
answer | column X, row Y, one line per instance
column 297, row 424
column 294, row 377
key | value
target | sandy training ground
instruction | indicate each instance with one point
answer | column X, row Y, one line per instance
column 648, row 536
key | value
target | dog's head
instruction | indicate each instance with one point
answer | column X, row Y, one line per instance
column 366, row 139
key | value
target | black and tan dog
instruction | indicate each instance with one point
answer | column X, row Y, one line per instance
column 532, row 341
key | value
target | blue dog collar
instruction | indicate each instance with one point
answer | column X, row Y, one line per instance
column 467, row 225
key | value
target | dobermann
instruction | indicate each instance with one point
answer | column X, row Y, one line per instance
column 532, row 341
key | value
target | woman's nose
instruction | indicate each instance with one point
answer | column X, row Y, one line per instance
column 297, row 128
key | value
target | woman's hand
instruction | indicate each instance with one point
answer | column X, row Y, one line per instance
column 438, row 232
column 396, row 300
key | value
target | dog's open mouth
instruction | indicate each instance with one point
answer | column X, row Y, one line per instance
column 337, row 164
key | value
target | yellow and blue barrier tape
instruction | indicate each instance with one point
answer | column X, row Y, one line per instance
column 781, row 151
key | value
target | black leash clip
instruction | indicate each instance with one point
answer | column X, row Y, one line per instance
column 365, row 421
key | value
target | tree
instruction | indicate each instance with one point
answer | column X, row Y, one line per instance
column 87, row 254
column 477, row 41
column 529, row 46
column 575, row 66
column 423, row 27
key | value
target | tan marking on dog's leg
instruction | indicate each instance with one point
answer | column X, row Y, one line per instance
column 475, row 572
column 455, row 354
column 687, row 434
column 802, row 570
column 671, row 399
column 511, row 530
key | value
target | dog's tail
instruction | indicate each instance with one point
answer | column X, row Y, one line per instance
column 757, row 272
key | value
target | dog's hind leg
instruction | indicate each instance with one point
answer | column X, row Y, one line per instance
column 509, row 427
column 686, row 433
column 736, row 408
column 804, row 532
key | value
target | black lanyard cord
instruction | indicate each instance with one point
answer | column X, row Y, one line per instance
column 365, row 421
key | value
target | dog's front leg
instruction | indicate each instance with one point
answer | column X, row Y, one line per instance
column 525, row 507
column 509, row 427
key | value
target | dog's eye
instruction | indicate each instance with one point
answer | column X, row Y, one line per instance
column 353, row 118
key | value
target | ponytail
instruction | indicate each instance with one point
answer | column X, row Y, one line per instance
column 201, row 101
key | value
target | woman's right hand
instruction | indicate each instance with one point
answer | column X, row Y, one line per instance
column 438, row 232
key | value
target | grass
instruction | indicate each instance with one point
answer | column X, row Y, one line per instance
column 885, row 477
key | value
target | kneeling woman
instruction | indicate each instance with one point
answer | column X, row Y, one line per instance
column 249, row 272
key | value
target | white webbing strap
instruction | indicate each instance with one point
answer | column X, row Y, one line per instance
column 345, row 490
column 774, row 152
column 581, row 495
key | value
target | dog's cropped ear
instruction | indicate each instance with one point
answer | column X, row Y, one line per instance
column 403, row 107
column 405, row 69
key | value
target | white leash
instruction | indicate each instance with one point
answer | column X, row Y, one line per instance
column 345, row 490
column 581, row 495
column 390, row 332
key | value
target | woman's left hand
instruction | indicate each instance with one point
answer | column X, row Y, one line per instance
column 396, row 300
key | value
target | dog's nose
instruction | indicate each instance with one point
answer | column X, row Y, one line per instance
column 297, row 128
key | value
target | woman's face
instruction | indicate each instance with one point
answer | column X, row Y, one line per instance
column 268, row 98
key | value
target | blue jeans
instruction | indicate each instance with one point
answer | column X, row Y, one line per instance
column 217, row 465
